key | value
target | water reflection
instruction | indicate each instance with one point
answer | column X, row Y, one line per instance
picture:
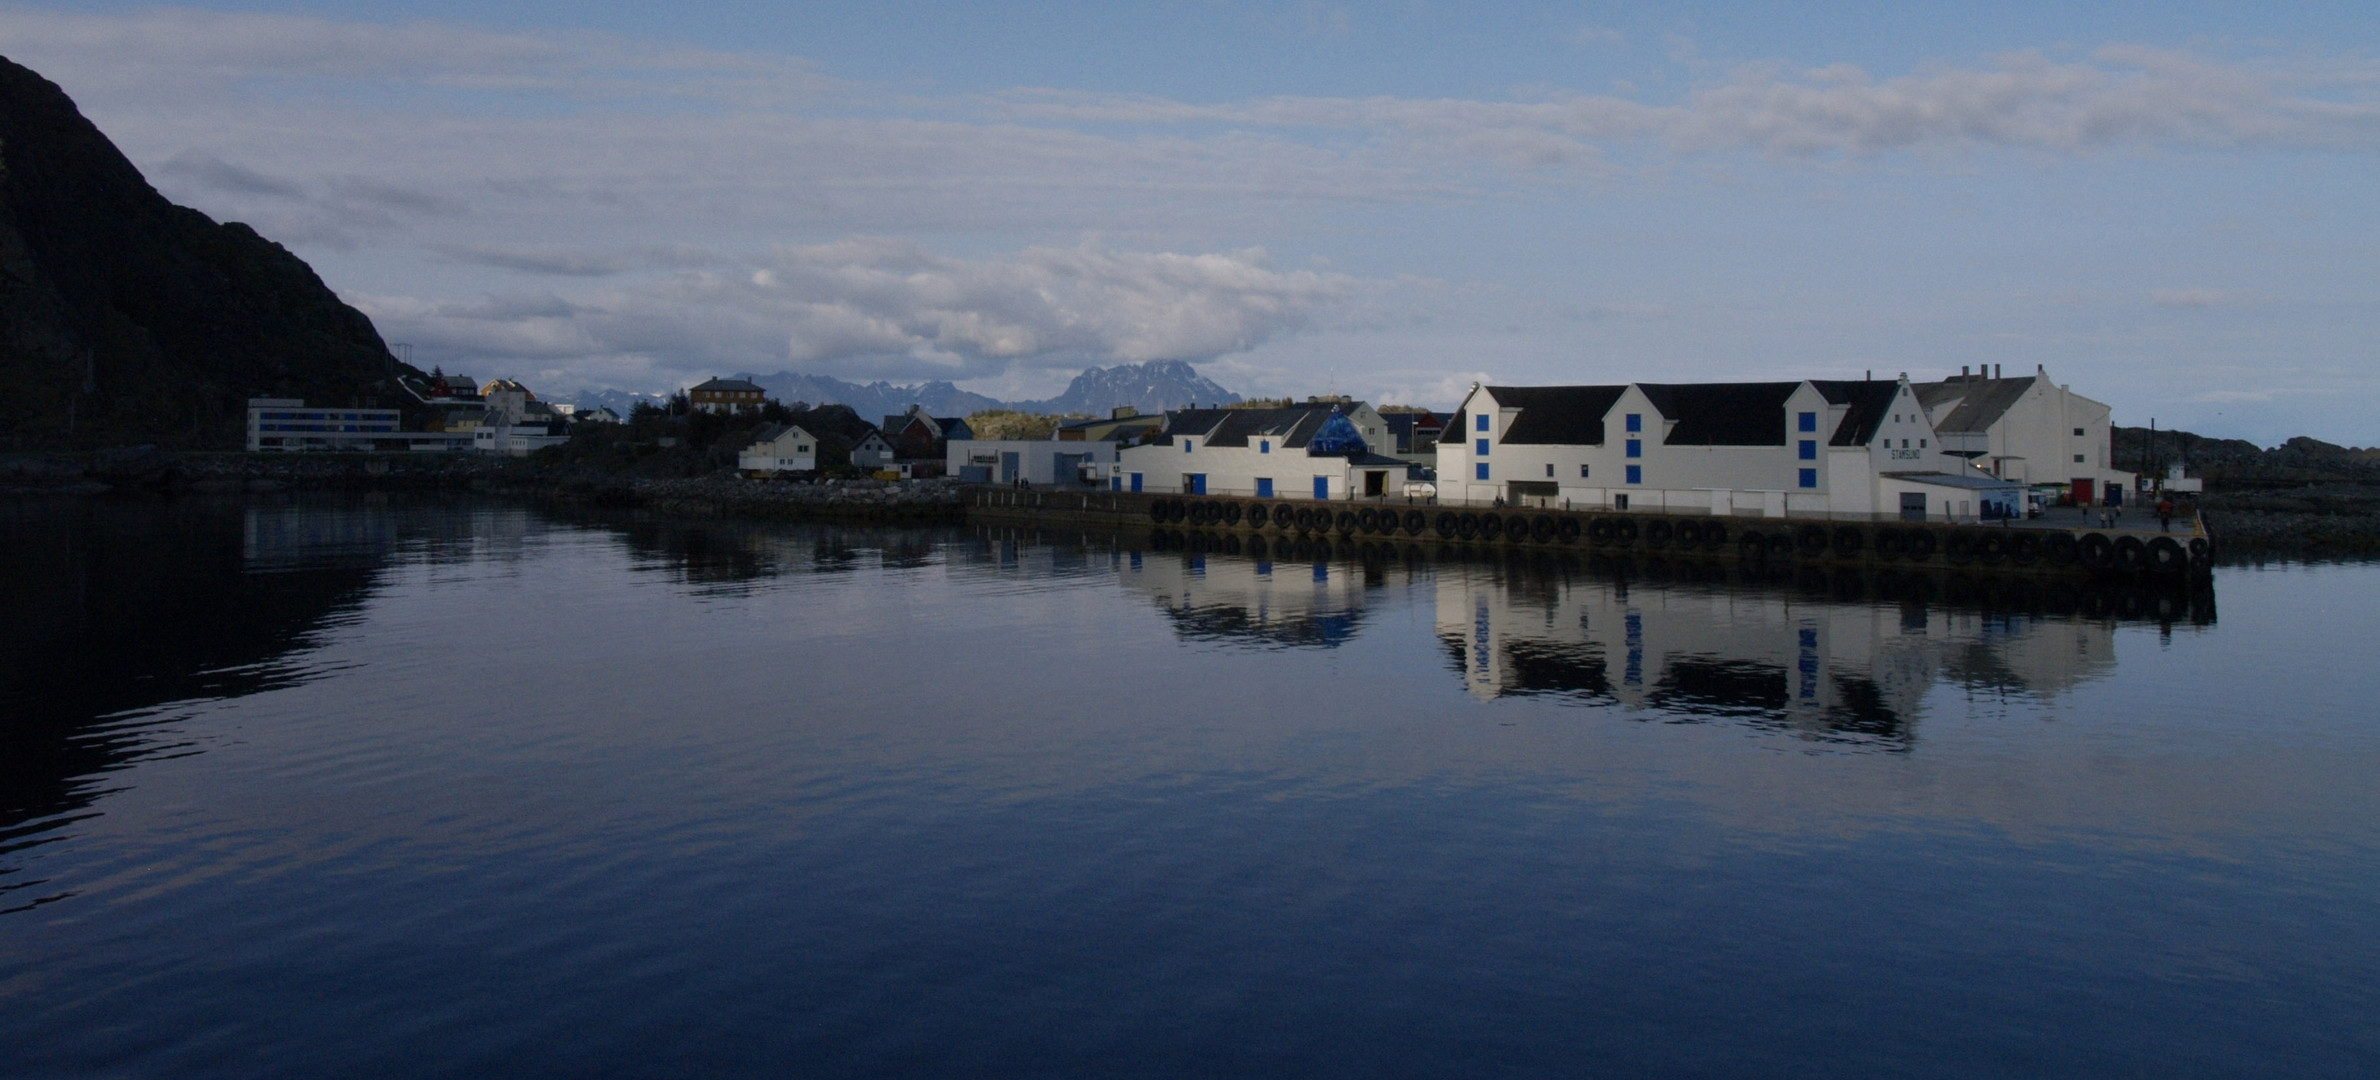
column 1846, row 657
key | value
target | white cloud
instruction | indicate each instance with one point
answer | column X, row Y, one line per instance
column 879, row 307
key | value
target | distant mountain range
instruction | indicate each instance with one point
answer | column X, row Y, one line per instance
column 1151, row 387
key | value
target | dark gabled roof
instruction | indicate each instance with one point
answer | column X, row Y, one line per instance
column 950, row 424
column 1981, row 402
column 1722, row 414
column 1291, row 427
column 1867, row 401
column 1554, row 415
column 764, row 433
column 1453, row 431
column 724, row 384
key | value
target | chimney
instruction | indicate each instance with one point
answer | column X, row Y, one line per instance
column 1995, row 371
column 1962, row 371
column 1122, row 412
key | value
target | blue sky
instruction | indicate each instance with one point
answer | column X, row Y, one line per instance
column 2169, row 206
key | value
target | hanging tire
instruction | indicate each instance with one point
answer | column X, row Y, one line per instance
column 1599, row 531
column 1623, row 532
column 1368, row 520
column 2167, row 557
column 1891, row 545
column 1415, row 522
column 1959, row 549
column 1752, row 547
column 1232, row 512
column 2061, row 549
column 1543, row 528
column 1345, row 522
column 1689, row 535
column 1466, row 525
column 1991, row 549
column 1568, row 530
column 1921, row 544
column 1305, row 519
column 1157, row 511
column 2098, row 552
column 1811, row 539
column 1516, row 528
column 1659, row 533
column 1714, row 534
column 2024, row 549
column 1848, row 541
column 1780, row 546
column 1448, row 524
column 2131, row 555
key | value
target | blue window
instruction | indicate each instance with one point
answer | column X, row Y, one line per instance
column 1481, row 422
column 1136, row 481
column 1809, row 450
column 1264, row 446
column 1264, row 487
column 1198, row 483
column 1636, row 448
column 1481, row 470
column 1480, row 448
column 1809, row 478
column 1636, row 474
column 1636, row 421
column 1185, row 446
column 1116, row 483
column 1809, row 421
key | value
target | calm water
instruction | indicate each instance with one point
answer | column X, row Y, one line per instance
column 423, row 788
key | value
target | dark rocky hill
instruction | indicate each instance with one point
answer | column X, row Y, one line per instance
column 127, row 319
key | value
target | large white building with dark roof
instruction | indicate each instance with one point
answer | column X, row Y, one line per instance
column 1811, row 448
column 1322, row 450
column 2028, row 429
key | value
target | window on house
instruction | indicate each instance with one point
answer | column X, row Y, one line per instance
column 1809, row 421
column 1549, row 468
column 2078, row 459
column 1480, row 422
column 1636, row 474
column 1481, row 470
column 1809, row 478
column 1480, row 448
column 1636, row 448
column 1185, row 446
column 1809, row 450
column 1264, row 446
column 1582, row 472
column 1619, row 502
column 2078, row 433
column 1636, row 421
column 1921, row 444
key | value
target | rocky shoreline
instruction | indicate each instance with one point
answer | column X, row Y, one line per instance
column 717, row 495
column 2322, row 520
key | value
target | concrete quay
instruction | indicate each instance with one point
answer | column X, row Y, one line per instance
column 2041, row 547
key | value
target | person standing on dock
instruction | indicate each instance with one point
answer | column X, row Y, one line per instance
column 2165, row 514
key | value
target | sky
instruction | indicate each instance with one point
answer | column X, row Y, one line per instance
column 2170, row 207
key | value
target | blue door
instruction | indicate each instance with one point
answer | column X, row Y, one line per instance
column 1198, row 483
column 1136, row 482
column 1264, row 487
column 1322, row 487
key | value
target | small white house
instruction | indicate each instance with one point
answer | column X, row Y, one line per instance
column 1042, row 462
column 777, row 448
column 872, row 452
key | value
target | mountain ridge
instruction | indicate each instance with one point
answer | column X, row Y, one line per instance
column 127, row 318
column 1150, row 387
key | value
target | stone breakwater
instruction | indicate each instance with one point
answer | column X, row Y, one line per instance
column 718, row 495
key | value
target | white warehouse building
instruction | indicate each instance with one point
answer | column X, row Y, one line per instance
column 1314, row 451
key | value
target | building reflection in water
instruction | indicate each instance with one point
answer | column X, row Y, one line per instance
column 1837, row 658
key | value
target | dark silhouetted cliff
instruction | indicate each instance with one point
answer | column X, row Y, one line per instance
column 127, row 319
